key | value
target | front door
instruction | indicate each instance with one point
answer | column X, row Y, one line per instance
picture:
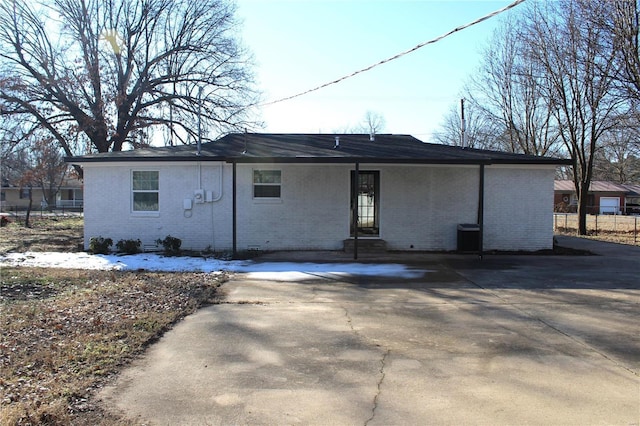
column 368, row 199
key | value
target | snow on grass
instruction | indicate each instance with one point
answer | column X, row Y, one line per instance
column 281, row 271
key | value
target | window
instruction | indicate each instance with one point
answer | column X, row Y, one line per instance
column 266, row 183
column 145, row 185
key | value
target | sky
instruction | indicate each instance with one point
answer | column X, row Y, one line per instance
column 300, row 44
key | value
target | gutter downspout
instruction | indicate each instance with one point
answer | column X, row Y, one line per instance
column 356, row 185
column 481, row 212
column 234, row 212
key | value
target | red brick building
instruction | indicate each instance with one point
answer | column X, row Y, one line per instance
column 603, row 198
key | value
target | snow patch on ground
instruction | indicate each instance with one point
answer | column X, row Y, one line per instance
column 281, row 271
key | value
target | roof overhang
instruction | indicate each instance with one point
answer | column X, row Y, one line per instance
column 315, row 160
column 255, row 148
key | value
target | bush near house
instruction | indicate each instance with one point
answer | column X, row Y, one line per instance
column 100, row 245
column 129, row 246
column 171, row 245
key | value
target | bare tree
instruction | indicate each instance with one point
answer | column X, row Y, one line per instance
column 480, row 131
column 618, row 159
column 578, row 82
column 623, row 23
column 373, row 123
column 508, row 90
column 99, row 74
column 35, row 163
column 48, row 168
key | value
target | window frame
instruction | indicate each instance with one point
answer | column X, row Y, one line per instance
column 255, row 184
column 134, row 191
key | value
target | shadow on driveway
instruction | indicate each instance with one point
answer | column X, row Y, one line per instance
column 505, row 340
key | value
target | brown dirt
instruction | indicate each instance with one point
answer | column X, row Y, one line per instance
column 66, row 333
column 48, row 233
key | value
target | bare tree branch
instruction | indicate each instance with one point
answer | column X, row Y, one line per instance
column 117, row 67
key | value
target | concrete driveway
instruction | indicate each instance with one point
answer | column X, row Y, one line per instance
column 506, row 340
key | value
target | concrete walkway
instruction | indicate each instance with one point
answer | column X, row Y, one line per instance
column 506, row 340
column 602, row 248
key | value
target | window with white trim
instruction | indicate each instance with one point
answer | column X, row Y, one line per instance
column 145, row 190
column 267, row 183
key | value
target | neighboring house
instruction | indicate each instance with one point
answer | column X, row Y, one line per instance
column 632, row 199
column 16, row 197
column 603, row 197
column 298, row 192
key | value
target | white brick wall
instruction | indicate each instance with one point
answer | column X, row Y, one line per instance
column 108, row 211
column 420, row 206
column 313, row 212
column 518, row 208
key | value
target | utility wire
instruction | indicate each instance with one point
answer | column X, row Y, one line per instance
column 399, row 55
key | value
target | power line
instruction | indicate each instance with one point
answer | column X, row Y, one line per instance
column 399, row 55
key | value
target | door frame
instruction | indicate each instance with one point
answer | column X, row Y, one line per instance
column 373, row 177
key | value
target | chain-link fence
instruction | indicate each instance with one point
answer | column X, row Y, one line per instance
column 615, row 228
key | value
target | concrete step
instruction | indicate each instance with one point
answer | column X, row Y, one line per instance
column 366, row 245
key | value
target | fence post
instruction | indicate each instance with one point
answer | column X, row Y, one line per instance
column 566, row 223
column 596, row 225
column 635, row 230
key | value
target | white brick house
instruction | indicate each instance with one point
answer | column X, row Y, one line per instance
column 297, row 192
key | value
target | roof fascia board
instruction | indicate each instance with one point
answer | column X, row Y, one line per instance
column 349, row 160
column 81, row 160
column 317, row 160
column 144, row 164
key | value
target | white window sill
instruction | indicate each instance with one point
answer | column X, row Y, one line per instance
column 267, row 200
column 145, row 214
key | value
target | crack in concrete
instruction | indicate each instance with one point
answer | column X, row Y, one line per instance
column 383, row 362
column 349, row 320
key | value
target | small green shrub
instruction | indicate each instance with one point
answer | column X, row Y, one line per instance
column 99, row 245
column 171, row 245
column 129, row 246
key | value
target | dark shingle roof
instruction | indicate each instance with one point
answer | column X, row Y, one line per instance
column 320, row 148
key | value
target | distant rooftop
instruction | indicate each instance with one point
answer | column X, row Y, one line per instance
column 598, row 186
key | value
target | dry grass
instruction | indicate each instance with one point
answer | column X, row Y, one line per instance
column 48, row 233
column 612, row 228
column 67, row 332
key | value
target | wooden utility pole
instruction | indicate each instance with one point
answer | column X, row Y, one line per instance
column 463, row 134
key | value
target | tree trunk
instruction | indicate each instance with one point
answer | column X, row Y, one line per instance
column 26, row 219
column 583, row 198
